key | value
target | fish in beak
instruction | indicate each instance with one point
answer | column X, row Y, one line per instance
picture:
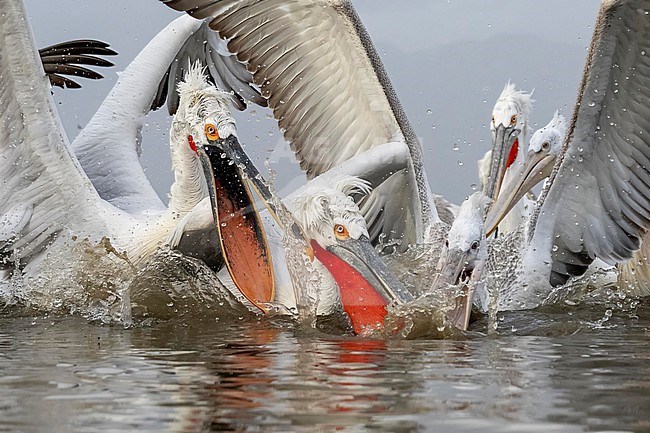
column 504, row 151
column 243, row 242
column 536, row 167
column 366, row 285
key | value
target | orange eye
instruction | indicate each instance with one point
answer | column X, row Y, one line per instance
column 341, row 232
column 211, row 132
column 513, row 120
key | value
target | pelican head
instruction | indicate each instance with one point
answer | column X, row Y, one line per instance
column 464, row 252
column 203, row 111
column 339, row 237
column 509, row 120
column 204, row 115
column 545, row 146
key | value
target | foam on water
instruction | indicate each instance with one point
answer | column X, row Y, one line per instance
column 99, row 283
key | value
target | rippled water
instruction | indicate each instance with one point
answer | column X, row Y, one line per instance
column 584, row 369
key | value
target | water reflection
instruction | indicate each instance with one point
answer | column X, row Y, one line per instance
column 64, row 374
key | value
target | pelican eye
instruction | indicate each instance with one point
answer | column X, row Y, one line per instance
column 341, row 232
column 546, row 145
column 493, row 120
column 513, row 120
column 474, row 246
column 211, row 132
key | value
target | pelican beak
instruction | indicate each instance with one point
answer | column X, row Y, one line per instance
column 243, row 241
column 536, row 168
column 367, row 286
column 455, row 268
column 502, row 146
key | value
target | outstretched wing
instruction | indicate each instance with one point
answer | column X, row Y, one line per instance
column 62, row 61
column 317, row 67
column 599, row 201
column 310, row 62
column 42, row 188
column 225, row 71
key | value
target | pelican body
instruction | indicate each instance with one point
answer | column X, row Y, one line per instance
column 596, row 202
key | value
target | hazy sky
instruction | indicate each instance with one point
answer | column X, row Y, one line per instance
column 448, row 60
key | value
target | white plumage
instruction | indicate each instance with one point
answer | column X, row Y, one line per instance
column 596, row 205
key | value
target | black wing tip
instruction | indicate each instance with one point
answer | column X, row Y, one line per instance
column 64, row 59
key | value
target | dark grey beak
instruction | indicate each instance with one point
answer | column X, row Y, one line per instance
column 504, row 138
column 233, row 150
column 362, row 256
column 454, row 268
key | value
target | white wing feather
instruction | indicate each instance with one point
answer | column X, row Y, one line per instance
column 40, row 177
column 599, row 203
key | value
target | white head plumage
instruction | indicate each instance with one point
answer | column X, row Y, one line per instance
column 320, row 209
column 550, row 137
column 513, row 108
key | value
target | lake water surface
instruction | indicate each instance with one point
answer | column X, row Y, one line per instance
column 550, row 370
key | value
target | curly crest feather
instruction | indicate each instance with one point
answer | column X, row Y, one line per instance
column 318, row 205
column 523, row 100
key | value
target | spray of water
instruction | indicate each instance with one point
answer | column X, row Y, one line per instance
column 305, row 279
column 86, row 278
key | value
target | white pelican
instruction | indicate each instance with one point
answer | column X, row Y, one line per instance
column 544, row 147
column 509, row 126
column 596, row 203
column 47, row 203
column 463, row 256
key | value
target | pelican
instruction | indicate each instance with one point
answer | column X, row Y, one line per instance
column 509, row 126
column 596, row 202
column 48, row 204
column 319, row 72
column 350, row 270
column 463, row 256
column 544, row 147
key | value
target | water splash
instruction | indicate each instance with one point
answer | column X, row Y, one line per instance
column 426, row 316
column 305, row 279
column 86, row 278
